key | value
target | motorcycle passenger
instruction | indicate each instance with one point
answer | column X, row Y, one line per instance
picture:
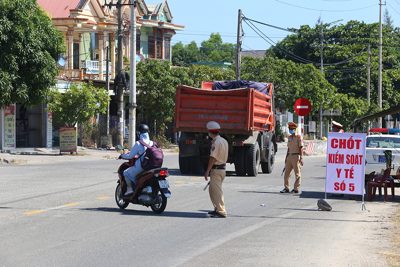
column 137, row 150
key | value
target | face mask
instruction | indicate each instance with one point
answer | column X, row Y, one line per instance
column 291, row 131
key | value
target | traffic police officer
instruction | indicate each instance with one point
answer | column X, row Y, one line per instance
column 337, row 127
column 294, row 159
column 216, row 169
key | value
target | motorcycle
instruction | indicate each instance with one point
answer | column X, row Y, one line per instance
column 151, row 188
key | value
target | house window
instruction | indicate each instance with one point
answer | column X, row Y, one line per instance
column 152, row 48
column 137, row 44
column 159, row 48
column 167, row 50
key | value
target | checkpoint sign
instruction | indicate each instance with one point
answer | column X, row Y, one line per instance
column 302, row 107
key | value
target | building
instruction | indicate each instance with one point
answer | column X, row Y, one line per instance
column 90, row 31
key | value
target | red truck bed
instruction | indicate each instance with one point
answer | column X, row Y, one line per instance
column 238, row 111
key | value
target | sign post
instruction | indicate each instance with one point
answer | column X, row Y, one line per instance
column 68, row 142
column 302, row 107
column 345, row 164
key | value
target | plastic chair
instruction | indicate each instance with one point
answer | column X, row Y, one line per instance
column 379, row 183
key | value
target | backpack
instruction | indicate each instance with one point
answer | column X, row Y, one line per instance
column 153, row 156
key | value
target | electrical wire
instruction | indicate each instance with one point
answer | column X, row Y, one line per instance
column 350, row 10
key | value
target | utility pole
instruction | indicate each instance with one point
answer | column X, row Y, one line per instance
column 120, row 70
column 108, row 102
column 368, row 74
column 132, row 80
column 380, row 64
column 120, row 91
column 322, row 69
column 239, row 46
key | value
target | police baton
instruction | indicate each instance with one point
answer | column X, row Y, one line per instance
column 206, row 186
column 284, row 168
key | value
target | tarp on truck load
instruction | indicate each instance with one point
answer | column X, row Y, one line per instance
column 226, row 85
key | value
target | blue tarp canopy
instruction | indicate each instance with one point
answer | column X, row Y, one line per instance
column 226, row 85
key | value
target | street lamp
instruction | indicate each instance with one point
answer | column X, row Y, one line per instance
column 322, row 67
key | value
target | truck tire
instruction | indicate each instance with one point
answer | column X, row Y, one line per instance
column 253, row 160
column 195, row 165
column 240, row 160
column 184, row 164
column 268, row 166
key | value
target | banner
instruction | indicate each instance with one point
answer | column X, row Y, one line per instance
column 345, row 163
column 49, row 130
column 9, row 126
column 68, row 139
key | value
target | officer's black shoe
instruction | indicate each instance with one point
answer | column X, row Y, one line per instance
column 294, row 191
column 285, row 191
column 217, row 215
column 212, row 212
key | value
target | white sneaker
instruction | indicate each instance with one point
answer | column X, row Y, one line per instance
column 129, row 191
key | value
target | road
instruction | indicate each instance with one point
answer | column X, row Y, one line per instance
column 63, row 213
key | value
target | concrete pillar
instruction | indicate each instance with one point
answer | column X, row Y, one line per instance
column 101, row 55
column 70, row 48
column 113, row 56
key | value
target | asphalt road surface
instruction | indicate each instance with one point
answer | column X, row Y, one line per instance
column 63, row 213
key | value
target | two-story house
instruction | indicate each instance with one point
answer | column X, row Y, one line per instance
column 90, row 29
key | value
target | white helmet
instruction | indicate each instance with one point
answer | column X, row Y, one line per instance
column 213, row 126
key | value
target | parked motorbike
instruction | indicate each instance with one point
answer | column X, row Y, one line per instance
column 151, row 188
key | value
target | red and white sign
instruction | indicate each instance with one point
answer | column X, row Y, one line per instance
column 302, row 107
column 345, row 163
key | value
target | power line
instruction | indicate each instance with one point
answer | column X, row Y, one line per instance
column 323, row 9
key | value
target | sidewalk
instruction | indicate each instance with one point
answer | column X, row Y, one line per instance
column 43, row 155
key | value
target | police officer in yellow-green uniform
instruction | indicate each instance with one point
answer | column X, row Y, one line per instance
column 294, row 159
column 216, row 169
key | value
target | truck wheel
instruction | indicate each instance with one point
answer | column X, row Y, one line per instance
column 253, row 160
column 184, row 165
column 195, row 165
column 240, row 161
column 268, row 166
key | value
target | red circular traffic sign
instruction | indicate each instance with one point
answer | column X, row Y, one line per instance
column 302, row 107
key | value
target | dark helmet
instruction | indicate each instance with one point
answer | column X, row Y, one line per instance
column 143, row 128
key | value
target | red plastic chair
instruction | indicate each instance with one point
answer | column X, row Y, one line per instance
column 379, row 183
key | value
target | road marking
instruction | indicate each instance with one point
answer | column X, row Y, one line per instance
column 102, row 197
column 33, row 212
column 179, row 182
column 70, row 204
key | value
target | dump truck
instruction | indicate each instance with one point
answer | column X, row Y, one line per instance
column 245, row 112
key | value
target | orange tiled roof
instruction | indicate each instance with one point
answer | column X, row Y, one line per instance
column 59, row 8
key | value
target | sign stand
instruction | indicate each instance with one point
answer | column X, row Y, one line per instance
column 362, row 207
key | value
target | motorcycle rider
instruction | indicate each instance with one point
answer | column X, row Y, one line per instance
column 137, row 150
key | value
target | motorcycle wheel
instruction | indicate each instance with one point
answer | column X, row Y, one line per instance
column 161, row 204
column 122, row 204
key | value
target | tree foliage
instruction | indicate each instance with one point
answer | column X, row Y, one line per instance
column 78, row 104
column 345, row 62
column 30, row 47
column 211, row 50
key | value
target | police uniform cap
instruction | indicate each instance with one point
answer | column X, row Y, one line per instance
column 213, row 126
column 336, row 124
column 292, row 125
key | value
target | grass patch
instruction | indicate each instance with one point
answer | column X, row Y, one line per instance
column 18, row 161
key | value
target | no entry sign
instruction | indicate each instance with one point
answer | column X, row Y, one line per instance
column 302, row 107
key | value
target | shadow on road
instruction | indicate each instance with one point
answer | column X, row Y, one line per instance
column 194, row 215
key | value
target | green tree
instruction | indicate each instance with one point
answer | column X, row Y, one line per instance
column 156, row 94
column 211, row 50
column 214, row 50
column 345, row 61
column 291, row 81
column 78, row 104
column 184, row 55
column 30, row 47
